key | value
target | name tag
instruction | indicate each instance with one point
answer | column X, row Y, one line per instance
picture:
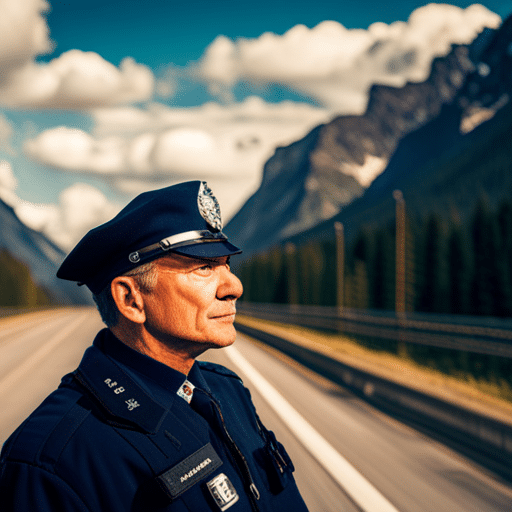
column 189, row 471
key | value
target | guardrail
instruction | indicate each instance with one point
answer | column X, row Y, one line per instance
column 484, row 439
column 483, row 335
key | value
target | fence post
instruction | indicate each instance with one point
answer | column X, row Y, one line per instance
column 293, row 285
column 400, row 254
column 340, row 266
column 400, row 271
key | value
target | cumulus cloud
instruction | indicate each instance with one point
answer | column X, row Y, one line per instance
column 76, row 150
column 8, row 183
column 75, row 80
column 336, row 65
column 6, row 133
column 23, row 34
column 137, row 148
column 80, row 208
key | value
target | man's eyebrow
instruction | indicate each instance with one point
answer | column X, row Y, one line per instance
column 200, row 259
column 218, row 259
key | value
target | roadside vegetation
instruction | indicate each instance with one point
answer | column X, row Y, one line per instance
column 483, row 392
column 17, row 287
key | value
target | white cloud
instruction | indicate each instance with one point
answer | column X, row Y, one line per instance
column 6, row 132
column 337, row 66
column 76, row 150
column 161, row 144
column 23, row 33
column 81, row 207
column 77, row 80
column 8, row 183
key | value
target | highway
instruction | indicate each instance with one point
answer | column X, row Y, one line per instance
column 348, row 456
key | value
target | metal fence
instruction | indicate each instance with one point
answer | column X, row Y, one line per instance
column 482, row 335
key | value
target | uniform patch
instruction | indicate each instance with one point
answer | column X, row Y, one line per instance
column 186, row 391
column 223, row 491
column 189, row 471
column 117, row 391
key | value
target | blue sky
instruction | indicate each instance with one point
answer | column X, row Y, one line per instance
column 159, row 32
column 102, row 99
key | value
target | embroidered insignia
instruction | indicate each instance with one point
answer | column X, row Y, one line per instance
column 209, row 207
column 223, row 492
column 186, row 391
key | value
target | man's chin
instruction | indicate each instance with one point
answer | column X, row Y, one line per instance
column 223, row 342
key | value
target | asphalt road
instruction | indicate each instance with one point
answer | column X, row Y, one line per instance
column 348, row 456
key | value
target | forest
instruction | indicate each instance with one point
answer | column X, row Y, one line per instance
column 450, row 267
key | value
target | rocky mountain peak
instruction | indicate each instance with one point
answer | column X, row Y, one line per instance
column 311, row 180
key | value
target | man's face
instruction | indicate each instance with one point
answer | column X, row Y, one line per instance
column 194, row 300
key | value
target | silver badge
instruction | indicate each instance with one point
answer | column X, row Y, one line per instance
column 209, row 207
column 222, row 491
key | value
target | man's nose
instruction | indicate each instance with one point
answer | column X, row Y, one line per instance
column 230, row 286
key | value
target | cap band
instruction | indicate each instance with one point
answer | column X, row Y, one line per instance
column 171, row 242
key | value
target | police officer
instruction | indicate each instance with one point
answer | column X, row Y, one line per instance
column 141, row 425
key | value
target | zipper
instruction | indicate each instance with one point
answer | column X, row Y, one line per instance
column 254, row 493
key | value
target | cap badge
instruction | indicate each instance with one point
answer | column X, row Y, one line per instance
column 209, row 207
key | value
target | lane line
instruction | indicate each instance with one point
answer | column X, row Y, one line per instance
column 364, row 494
column 36, row 357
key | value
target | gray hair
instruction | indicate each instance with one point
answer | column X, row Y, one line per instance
column 145, row 277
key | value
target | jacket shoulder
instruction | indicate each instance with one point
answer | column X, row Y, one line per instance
column 44, row 434
column 218, row 369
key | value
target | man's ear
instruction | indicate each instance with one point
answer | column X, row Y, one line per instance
column 128, row 298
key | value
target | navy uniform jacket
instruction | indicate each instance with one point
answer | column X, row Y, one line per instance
column 115, row 436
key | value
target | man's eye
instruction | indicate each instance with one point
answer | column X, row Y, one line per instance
column 205, row 269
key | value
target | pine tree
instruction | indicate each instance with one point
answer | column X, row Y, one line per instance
column 505, row 266
column 434, row 289
column 458, row 268
column 384, row 270
column 486, row 290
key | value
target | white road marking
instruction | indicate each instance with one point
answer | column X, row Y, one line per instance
column 36, row 357
column 364, row 494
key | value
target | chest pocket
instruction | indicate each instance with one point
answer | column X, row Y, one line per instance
column 189, row 473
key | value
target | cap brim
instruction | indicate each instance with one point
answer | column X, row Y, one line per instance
column 208, row 250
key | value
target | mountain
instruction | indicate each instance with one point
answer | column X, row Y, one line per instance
column 40, row 255
column 313, row 179
column 448, row 164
